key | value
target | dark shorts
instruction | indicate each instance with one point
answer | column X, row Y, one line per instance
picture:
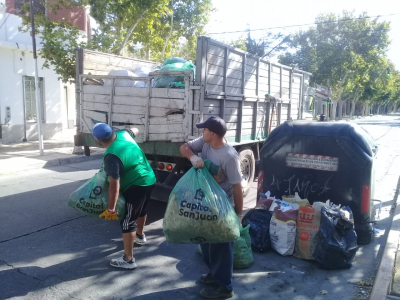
column 137, row 200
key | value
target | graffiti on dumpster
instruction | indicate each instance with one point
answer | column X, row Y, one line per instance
column 305, row 185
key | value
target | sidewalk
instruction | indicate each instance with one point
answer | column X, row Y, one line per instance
column 20, row 157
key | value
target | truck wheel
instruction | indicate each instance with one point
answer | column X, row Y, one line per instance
column 247, row 166
column 87, row 150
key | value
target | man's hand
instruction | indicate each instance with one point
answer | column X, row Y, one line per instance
column 108, row 215
column 240, row 216
column 197, row 162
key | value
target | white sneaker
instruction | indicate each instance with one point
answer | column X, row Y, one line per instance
column 122, row 263
column 140, row 240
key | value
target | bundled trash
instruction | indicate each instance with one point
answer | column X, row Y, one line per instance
column 323, row 231
column 336, row 240
column 296, row 199
column 91, row 198
column 121, row 82
column 199, row 211
column 170, row 65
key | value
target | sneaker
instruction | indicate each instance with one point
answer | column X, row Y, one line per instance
column 207, row 278
column 216, row 292
column 122, row 263
column 140, row 239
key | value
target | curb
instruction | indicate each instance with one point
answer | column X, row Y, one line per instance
column 383, row 281
column 71, row 160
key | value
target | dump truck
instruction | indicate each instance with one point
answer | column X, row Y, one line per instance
column 252, row 95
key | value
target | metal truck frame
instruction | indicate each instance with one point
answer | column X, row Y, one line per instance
column 230, row 83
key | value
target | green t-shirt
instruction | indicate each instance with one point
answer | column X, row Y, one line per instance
column 137, row 170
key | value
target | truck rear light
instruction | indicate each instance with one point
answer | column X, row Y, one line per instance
column 169, row 168
column 260, row 182
column 365, row 199
column 161, row 166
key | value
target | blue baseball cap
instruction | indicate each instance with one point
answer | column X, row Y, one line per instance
column 214, row 124
column 102, row 131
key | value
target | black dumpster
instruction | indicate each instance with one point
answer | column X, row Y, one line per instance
column 321, row 161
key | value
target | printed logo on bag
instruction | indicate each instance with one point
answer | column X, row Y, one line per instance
column 305, row 217
column 199, row 195
column 304, row 236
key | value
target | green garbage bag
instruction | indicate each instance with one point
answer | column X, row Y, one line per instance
column 165, row 81
column 173, row 60
column 242, row 253
column 91, row 198
column 199, row 211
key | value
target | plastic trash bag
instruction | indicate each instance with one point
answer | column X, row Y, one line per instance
column 142, row 72
column 259, row 221
column 173, row 60
column 165, row 81
column 265, row 200
column 296, row 199
column 121, row 82
column 199, row 211
column 91, row 198
column 336, row 240
column 242, row 254
column 283, row 229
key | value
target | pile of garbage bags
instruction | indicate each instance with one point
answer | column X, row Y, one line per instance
column 171, row 64
column 323, row 232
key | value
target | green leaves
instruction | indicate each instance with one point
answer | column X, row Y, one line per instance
column 346, row 52
column 120, row 24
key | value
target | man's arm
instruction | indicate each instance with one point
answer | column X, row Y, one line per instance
column 187, row 151
column 113, row 193
column 238, row 198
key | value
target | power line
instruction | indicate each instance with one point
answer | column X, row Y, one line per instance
column 5, row 21
column 315, row 23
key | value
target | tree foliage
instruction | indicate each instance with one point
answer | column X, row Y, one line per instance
column 344, row 52
column 120, row 25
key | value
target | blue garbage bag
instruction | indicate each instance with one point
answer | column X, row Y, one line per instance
column 259, row 221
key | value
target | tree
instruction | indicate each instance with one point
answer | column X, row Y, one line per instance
column 260, row 47
column 120, row 24
column 339, row 51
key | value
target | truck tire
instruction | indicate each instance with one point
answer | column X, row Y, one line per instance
column 247, row 166
column 87, row 150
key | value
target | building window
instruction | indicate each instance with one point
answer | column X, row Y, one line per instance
column 30, row 98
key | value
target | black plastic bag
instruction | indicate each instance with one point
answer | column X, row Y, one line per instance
column 336, row 240
column 259, row 220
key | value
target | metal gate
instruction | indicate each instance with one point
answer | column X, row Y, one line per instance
column 30, row 98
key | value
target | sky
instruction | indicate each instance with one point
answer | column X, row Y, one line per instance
column 235, row 15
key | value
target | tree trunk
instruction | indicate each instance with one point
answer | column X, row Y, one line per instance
column 352, row 108
column 129, row 32
column 340, row 108
column 170, row 32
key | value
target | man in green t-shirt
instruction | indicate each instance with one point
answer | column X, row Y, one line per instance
column 129, row 173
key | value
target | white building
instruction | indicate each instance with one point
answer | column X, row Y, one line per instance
column 17, row 84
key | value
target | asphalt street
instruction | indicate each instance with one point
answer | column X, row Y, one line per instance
column 50, row 251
